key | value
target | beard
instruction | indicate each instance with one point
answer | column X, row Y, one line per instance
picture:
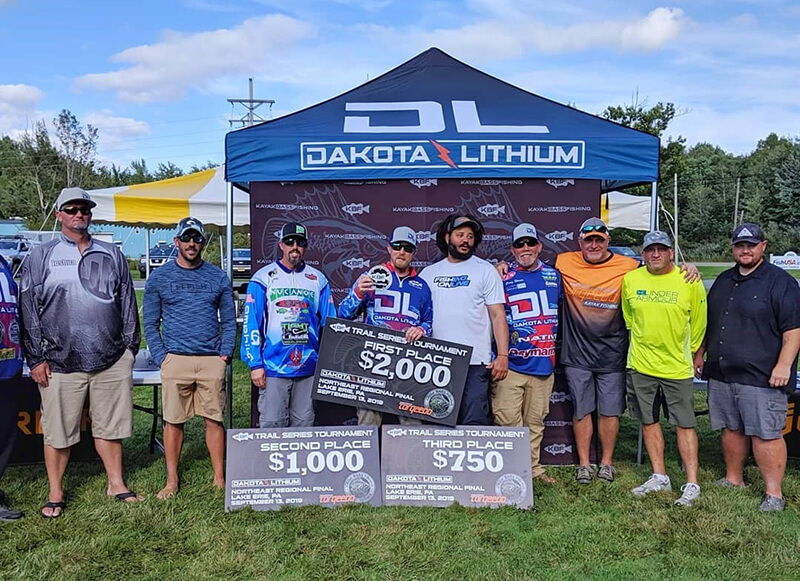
column 457, row 254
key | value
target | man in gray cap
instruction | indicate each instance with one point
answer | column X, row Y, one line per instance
column 287, row 304
column 532, row 292
column 666, row 317
column 752, row 304
column 193, row 350
column 392, row 295
column 80, row 336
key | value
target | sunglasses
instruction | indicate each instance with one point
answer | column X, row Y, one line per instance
column 198, row 238
column 292, row 240
column 72, row 210
column 407, row 246
column 594, row 228
column 524, row 242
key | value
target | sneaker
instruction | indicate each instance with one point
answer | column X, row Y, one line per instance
column 725, row 483
column 690, row 492
column 583, row 474
column 772, row 504
column 607, row 472
column 655, row 483
column 9, row 514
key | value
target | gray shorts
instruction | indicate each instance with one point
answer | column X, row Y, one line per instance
column 286, row 403
column 755, row 411
column 647, row 395
column 593, row 390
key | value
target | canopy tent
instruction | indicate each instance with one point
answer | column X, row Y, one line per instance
column 436, row 117
column 620, row 210
column 202, row 195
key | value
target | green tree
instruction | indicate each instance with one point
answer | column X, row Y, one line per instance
column 78, row 145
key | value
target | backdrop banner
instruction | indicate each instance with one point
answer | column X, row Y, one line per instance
column 349, row 224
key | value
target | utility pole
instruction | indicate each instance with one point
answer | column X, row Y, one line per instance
column 677, row 248
column 736, row 204
column 250, row 117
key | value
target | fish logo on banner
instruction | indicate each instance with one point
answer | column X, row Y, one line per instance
column 560, row 183
column 243, row 436
column 354, row 263
column 425, row 236
column 492, row 210
column 356, row 209
column 340, row 327
column 559, row 236
column 557, row 449
column 559, row 397
column 424, row 183
column 394, row 432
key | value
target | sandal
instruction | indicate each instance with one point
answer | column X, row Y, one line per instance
column 124, row 496
column 62, row 506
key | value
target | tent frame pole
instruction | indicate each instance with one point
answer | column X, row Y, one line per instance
column 654, row 207
column 147, row 253
column 229, row 271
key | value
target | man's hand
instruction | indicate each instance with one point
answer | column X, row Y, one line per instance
column 780, row 375
column 259, row 378
column 498, row 368
column 501, row 268
column 699, row 363
column 41, row 374
column 690, row 272
column 225, row 358
column 414, row 333
column 365, row 285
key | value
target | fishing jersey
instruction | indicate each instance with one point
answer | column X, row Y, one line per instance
column 405, row 303
column 78, row 311
column 10, row 348
column 532, row 298
column 283, row 314
column 593, row 329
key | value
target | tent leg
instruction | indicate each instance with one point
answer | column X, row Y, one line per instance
column 229, row 270
column 654, row 207
column 147, row 253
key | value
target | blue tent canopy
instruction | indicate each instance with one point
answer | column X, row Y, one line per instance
column 436, row 117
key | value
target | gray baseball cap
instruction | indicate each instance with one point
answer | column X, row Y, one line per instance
column 656, row 237
column 68, row 195
column 524, row 230
column 403, row 234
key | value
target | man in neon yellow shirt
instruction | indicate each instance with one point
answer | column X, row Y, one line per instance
column 666, row 317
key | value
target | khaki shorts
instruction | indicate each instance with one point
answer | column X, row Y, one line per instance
column 110, row 404
column 192, row 385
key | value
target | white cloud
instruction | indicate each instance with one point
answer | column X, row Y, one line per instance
column 166, row 70
column 18, row 107
column 113, row 127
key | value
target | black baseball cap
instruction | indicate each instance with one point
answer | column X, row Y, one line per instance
column 747, row 232
column 293, row 229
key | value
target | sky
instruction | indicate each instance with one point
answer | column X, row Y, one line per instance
column 153, row 75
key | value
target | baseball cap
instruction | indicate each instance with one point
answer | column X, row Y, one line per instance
column 465, row 221
column 68, row 195
column 188, row 224
column 747, row 232
column 293, row 229
column 656, row 237
column 594, row 227
column 524, row 230
column 403, row 234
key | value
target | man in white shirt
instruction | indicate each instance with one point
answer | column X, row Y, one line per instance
column 468, row 308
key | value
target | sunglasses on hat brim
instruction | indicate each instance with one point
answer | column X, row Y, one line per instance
column 594, row 228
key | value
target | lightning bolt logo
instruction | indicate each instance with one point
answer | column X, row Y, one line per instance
column 444, row 154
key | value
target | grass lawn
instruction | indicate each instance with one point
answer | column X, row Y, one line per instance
column 712, row 272
column 598, row 531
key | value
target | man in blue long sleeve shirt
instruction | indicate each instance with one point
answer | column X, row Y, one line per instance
column 192, row 344
column 287, row 304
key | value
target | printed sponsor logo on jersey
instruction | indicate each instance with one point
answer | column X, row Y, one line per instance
column 492, row 210
column 63, row 262
column 310, row 276
column 292, row 293
column 415, row 283
column 559, row 236
column 424, row 183
column 354, row 263
column 657, row 296
column 355, row 209
column 451, row 281
column 560, row 183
